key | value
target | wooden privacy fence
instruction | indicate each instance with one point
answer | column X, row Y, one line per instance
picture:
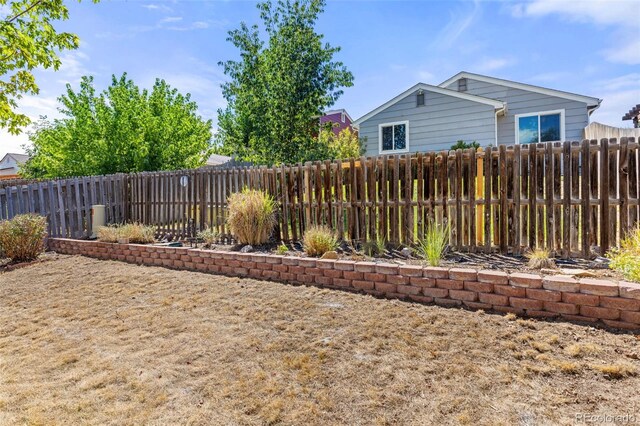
column 67, row 203
column 566, row 197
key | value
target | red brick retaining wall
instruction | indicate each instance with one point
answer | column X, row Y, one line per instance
column 616, row 304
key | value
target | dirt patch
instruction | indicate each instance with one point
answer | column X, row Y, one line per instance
column 88, row 341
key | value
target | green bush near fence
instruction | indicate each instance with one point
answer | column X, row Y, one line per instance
column 626, row 259
column 22, row 238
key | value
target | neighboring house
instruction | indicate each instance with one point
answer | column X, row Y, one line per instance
column 473, row 107
column 216, row 160
column 10, row 164
column 339, row 118
column 634, row 116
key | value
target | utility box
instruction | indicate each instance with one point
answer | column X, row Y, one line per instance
column 98, row 219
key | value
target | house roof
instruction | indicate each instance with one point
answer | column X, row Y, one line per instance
column 434, row 89
column 337, row 111
column 632, row 114
column 215, row 159
column 19, row 158
column 589, row 100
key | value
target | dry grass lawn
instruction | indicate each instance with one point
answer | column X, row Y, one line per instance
column 93, row 342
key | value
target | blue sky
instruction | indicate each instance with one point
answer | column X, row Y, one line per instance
column 588, row 47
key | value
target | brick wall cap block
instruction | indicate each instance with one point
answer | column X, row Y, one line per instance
column 598, row 287
column 411, row 270
column 307, row 262
column 494, row 277
column 463, row 274
column 629, row 290
column 520, row 279
column 291, row 261
column 325, row 263
column 344, row 265
column 565, row 283
column 436, row 272
column 387, row 268
column 274, row 259
column 365, row 266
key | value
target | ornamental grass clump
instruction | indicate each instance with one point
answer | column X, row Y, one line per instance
column 208, row 236
column 626, row 259
column 252, row 216
column 431, row 248
column 540, row 258
column 134, row 233
column 22, row 238
column 318, row 240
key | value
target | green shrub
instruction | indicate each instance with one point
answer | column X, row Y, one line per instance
column 282, row 249
column 22, row 238
column 135, row 233
column 252, row 216
column 318, row 240
column 431, row 247
column 464, row 145
column 376, row 247
column 209, row 236
column 626, row 259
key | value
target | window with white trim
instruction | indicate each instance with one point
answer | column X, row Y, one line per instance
column 546, row 126
column 394, row 137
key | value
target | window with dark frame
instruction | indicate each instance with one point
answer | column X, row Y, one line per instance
column 420, row 99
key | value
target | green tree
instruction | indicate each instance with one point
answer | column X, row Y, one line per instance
column 122, row 129
column 344, row 145
column 279, row 87
column 28, row 40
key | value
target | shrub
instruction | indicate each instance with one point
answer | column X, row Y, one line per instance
column 460, row 144
column 376, row 247
column 208, row 236
column 133, row 232
column 318, row 240
column 626, row 259
column 540, row 258
column 252, row 216
column 431, row 247
column 282, row 249
column 108, row 234
column 22, row 238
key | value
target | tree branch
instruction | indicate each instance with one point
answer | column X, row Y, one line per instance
column 11, row 19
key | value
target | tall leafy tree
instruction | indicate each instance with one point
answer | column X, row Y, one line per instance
column 122, row 129
column 279, row 86
column 28, row 40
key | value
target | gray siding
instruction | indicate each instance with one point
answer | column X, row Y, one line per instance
column 437, row 125
column 521, row 102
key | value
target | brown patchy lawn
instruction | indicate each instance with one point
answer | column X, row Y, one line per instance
column 88, row 341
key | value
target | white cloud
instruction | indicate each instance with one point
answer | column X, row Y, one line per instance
column 493, row 64
column 170, row 19
column 458, row 23
column 551, row 76
column 620, row 14
column 618, row 95
column 73, row 66
column 158, row 7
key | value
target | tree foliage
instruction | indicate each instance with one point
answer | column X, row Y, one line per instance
column 460, row 144
column 28, row 40
column 346, row 144
column 279, row 87
column 122, row 129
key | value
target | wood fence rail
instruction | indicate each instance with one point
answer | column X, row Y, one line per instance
column 567, row 197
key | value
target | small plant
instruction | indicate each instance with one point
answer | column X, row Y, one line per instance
column 431, row 248
column 282, row 249
column 318, row 240
column 108, row 234
column 252, row 216
column 208, row 236
column 132, row 232
column 540, row 258
column 22, row 238
column 460, row 144
column 376, row 247
column 626, row 258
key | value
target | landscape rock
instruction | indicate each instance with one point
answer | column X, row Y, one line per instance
column 599, row 263
column 246, row 249
column 578, row 273
column 406, row 252
column 330, row 255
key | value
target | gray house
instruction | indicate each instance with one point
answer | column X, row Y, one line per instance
column 473, row 107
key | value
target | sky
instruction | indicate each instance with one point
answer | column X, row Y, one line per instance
column 587, row 47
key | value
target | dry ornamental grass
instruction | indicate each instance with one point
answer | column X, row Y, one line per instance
column 84, row 341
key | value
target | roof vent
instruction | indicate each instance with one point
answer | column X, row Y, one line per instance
column 462, row 85
column 420, row 98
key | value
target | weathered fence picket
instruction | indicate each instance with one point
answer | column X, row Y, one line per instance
column 571, row 198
